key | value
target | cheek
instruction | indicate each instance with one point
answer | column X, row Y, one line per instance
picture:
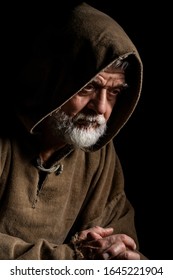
column 74, row 105
column 107, row 114
column 109, row 110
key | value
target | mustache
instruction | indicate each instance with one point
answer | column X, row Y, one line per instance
column 99, row 119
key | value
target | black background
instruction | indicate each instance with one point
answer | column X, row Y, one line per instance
column 143, row 145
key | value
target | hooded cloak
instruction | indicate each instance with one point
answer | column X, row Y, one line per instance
column 38, row 220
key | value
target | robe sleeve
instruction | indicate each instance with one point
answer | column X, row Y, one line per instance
column 13, row 248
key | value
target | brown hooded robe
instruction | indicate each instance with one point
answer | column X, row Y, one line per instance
column 39, row 224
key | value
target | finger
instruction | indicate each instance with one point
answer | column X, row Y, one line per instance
column 129, row 255
column 106, row 232
column 102, row 232
column 110, row 240
column 114, row 244
column 114, row 250
column 93, row 236
column 127, row 240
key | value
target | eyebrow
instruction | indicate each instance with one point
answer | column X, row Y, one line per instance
column 120, row 85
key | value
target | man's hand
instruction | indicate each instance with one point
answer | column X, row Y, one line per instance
column 101, row 243
column 95, row 233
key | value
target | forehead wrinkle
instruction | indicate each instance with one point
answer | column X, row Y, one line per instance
column 110, row 82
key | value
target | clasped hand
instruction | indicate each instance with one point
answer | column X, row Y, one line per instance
column 101, row 243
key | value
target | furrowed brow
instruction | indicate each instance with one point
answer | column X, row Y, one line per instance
column 99, row 85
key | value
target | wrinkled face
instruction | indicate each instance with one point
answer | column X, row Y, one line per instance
column 98, row 97
column 81, row 121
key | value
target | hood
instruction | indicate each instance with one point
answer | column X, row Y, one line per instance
column 65, row 57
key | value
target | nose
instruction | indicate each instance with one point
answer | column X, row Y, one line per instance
column 98, row 102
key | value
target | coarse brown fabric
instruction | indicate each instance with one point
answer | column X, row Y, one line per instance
column 40, row 213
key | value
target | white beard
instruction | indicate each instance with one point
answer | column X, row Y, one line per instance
column 82, row 131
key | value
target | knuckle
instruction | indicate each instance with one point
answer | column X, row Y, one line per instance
column 122, row 246
column 100, row 242
column 123, row 237
column 97, row 228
